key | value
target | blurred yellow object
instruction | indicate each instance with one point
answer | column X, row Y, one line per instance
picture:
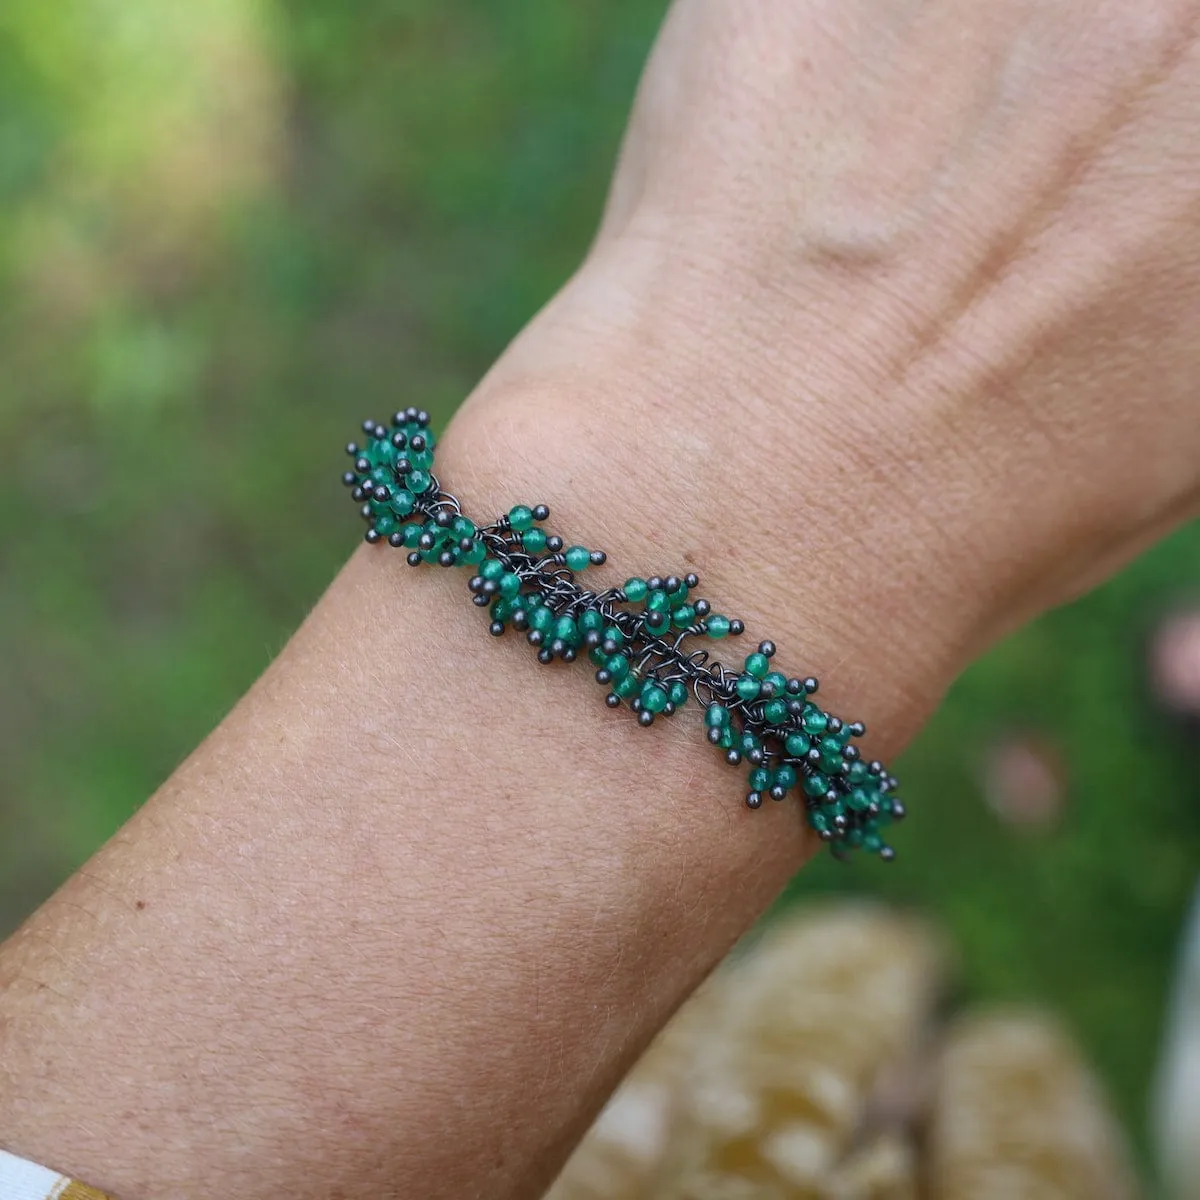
column 884, row 1168
column 762, row 1083
column 1017, row 1113
column 809, row 1068
column 813, row 1014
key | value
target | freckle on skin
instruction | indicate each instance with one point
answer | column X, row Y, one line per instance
column 139, row 905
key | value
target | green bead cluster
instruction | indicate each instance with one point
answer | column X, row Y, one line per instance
column 633, row 635
column 793, row 745
column 393, row 481
column 668, row 607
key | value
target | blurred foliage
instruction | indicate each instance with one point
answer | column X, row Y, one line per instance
column 229, row 230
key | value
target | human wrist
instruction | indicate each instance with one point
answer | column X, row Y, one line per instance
column 816, row 540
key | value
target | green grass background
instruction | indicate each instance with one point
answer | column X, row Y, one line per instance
column 174, row 388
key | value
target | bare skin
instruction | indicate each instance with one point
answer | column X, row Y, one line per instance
column 919, row 283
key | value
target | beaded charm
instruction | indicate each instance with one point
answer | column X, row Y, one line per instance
column 636, row 636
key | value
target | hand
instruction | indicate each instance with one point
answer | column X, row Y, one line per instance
column 891, row 320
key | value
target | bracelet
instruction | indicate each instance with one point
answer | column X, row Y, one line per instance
column 633, row 634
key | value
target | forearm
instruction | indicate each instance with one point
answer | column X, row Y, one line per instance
column 412, row 909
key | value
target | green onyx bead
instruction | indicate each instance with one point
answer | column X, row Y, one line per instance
column 760, row 779
column 596, row 656
column 534, row 541
column 566, row 630
column 658, row 623
column 614, row 635
column 578, row 558
column 540, row 618
column 819, row 821
column 872, row 843
column 814, row 720
column 757, row 665
column 412, row 535
column 859, row 799
column 657, row 602
column 683, row 616
column 778, row 680
column 775, row 712
column 421, row 460
column 402, row 502
column 716, row 716
column 836, row 808
column 747, row 687
column 716, row 626
column 381, row 477
column 784, row 777
column 475, row 554
column 728, row 738
column 418, row 481
column 858, row 772
column 590, row 619
column 463, row 527
column 617, row 665
column 381, row 453
column 832, row 745
column 815, row 785
column 491, row 568
column 521, row 517
column 678, row 693
column 750, row 742
column 654, row 698
column 386, row 525
column 628, row 686
column 797, row 744
column 503, row 607
column 855, row 838
column 678, row 596
column 635, row 590
column 510, row 584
